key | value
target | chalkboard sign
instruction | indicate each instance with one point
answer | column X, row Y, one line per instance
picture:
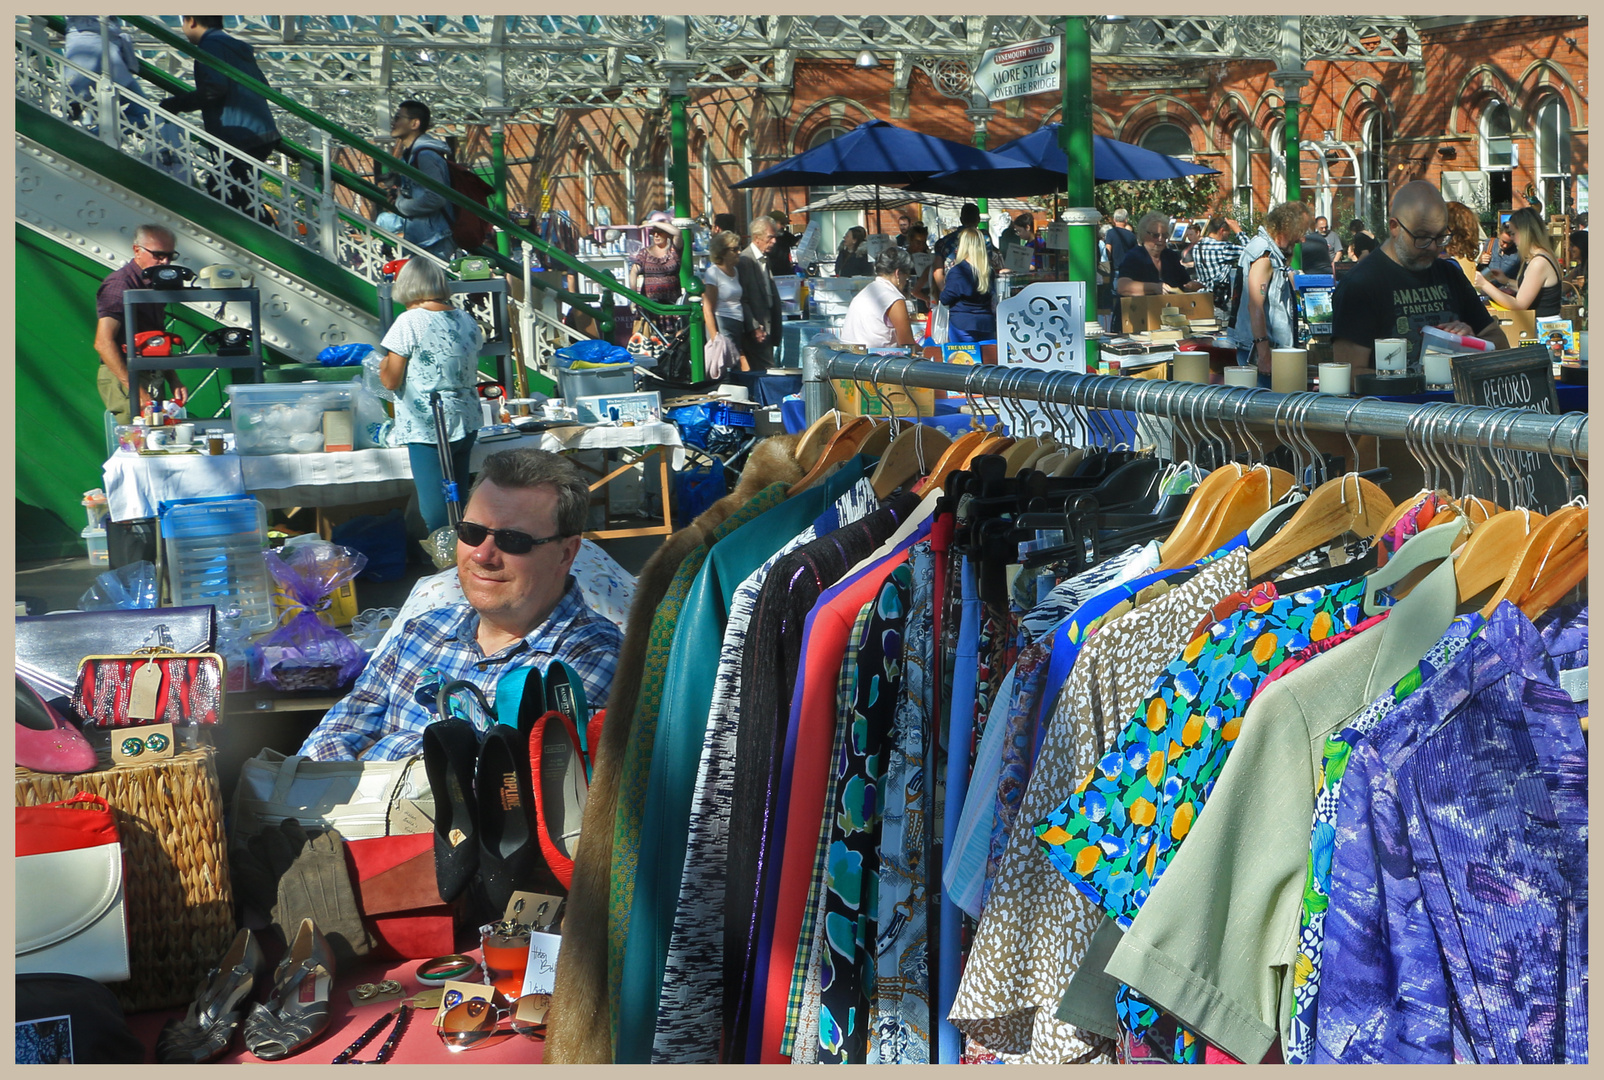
column 1520, row 378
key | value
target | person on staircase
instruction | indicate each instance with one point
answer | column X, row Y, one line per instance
column 231, row 112
column 426, row 217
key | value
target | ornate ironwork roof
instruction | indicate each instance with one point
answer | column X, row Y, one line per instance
column 470, row 68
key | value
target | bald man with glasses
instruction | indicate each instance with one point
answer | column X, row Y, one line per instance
column 1409, row 287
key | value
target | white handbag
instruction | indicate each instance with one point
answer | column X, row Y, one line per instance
column 362, row 799
column 69, row 880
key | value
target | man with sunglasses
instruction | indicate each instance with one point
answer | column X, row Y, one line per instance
column 1407, row 286
column 516, row 544
column 153, row 246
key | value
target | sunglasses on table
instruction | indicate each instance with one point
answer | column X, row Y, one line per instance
column 473, row 1023
column 510, row 541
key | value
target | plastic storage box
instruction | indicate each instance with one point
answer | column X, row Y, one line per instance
column 214, row 556
column 283, row 418
column 99, row 553
column 595, row 383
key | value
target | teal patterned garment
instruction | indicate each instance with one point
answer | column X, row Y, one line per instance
column 852, row 873
column 1299, row 1047
column 442, row 351
column 1113, row 837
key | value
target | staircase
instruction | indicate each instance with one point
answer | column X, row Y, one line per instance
column 94, row 161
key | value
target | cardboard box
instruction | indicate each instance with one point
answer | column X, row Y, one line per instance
column 338, row 431
column 640, row 408
column 849, row 401
column 1142, row 313
column 1516, row 324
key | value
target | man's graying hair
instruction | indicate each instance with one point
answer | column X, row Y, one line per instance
column 529, row 468
column 150, row 231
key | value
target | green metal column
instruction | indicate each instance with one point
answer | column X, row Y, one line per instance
column 980, row 144
column 680, row 173
column 1294, row 166
column 498, row 172
column 1075, row 135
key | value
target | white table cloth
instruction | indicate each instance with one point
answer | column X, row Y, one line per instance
column 593, row 438
column 136, row 483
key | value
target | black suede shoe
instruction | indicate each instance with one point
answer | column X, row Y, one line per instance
column 450, row 754
column 509, row 852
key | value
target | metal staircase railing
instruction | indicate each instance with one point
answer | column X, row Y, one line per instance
column 341, row 137
column 277, row 195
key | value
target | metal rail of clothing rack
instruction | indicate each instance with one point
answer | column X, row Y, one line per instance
column 1460, row 425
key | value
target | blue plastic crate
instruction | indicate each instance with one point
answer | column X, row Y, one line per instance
column 725, row 415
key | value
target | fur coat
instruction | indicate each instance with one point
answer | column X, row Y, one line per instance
column 579, row 1027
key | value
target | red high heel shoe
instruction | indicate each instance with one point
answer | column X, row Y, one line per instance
column 557, row 767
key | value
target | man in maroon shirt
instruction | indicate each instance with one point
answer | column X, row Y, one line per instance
column 153, row 245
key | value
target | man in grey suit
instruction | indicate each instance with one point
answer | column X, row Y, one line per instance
column 760, row 300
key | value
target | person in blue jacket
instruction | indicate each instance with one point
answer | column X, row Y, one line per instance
column 426, row 217
column 231, row 112
column 968, row 292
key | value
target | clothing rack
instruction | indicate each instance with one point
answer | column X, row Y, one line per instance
column 1441, row 422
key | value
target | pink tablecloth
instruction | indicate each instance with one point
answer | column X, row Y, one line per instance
column 420, row 1045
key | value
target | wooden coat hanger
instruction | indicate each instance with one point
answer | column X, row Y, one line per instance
column 952, row 459
column 842, row 446
column 910, row 453
column 1347, row 504
column 811, row 444
column 1491, row 548
column 1246, row 500
column 1555, row 552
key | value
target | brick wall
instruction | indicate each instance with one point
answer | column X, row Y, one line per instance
column 1429, row 118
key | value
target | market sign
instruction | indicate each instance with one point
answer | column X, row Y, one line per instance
column 1030, row 67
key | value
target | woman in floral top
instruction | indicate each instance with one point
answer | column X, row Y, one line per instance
column 654, row 271
column 432, row 346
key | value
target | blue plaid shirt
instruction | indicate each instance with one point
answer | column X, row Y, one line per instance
column 381, row 718
column 1214, row 260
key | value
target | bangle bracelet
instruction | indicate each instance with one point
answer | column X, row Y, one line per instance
column 1259, row 339
column 444, row 968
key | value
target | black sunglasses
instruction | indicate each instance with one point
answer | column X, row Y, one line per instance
column 510, row 541
column 153, row 253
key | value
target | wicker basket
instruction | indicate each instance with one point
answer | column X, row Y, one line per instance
column 179, row 904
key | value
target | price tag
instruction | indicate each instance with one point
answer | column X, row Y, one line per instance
column 145, row 691
column 541, row 974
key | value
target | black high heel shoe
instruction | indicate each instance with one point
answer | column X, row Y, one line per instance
column 298, row 1011
column 450, row 753
column 509, row 852
column 206, row 1030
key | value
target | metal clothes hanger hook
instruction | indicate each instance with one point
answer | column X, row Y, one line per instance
column 1347, row 433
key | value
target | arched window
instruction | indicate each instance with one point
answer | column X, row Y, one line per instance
column 1169, row 139
column 1275, row 135
column 1497, row 151
column 1553, row 133
column 833, row 224
column 1372, row 196
column 1242, row 165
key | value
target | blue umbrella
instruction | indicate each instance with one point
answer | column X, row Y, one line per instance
column 1048, row 167
column 878, row 153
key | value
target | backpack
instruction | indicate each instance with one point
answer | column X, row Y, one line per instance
column 469, row 230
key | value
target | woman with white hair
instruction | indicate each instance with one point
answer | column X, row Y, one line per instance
column 432, row 345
